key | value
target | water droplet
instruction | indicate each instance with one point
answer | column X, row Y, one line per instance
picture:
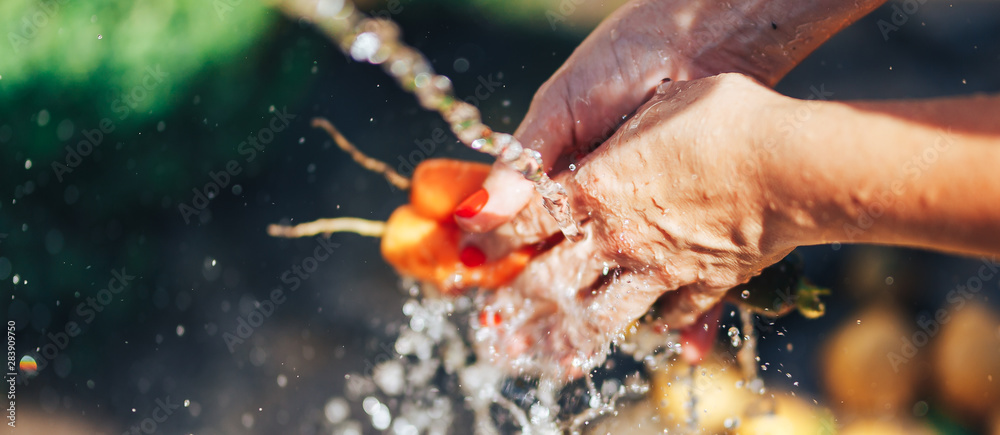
column 734, row 336
column 478, row 144
column 100, row 36
column 329, row 8
column 572, row 167
column 365, row 46
column 835, row 246
column 43, row 118
column 27, row 164
column 745, row 294
column 336, row 410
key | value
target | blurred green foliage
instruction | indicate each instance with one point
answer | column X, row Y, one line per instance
column 91, row 57
column 179, row 83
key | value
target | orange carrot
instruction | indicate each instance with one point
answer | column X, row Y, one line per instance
column 439, row 185
column 421, row 239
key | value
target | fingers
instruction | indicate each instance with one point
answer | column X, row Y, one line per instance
column 506, row 193
column 552, row 132
column 560, row 316
column 532, row 226
column 548, row 129
column 698, row 338
column 683, row 307
column 537, row 313
column 561, row 272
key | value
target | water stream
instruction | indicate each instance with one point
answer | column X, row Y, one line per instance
column 377, row 41
column 433, row 370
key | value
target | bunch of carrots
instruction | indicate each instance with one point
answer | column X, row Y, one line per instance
column 421, row 239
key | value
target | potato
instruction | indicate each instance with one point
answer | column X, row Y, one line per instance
column 791, row 416
column 718, row 397
column 871, row 426
column 859, row 376
column 966, row 362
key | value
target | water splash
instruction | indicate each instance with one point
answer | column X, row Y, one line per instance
column 747, row 355
column 430, row 373
column 377, row 41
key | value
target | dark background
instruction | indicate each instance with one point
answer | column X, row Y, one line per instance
column 119, row 207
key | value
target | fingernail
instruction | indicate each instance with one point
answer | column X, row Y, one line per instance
column 471, row 256
column 473, row 204
column 488, row 318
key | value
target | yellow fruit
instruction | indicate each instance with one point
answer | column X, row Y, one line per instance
column 859, row 374
column 772, row 424
column 790, row 416
column 966, row 361
column 717, row 396
column 870, row 426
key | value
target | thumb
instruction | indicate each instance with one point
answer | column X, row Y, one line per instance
column 547, row 129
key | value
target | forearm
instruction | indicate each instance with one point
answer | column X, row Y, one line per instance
column 914, row 173
column 779, row 33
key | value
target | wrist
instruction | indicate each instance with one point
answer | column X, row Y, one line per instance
column 791, row 177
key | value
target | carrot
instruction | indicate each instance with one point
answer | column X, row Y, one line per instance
column 421, row 239
column 427, row 250
column 439, row 185
column 419, row 246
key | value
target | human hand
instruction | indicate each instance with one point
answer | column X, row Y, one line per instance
column 675, row 204
column 617, row 67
